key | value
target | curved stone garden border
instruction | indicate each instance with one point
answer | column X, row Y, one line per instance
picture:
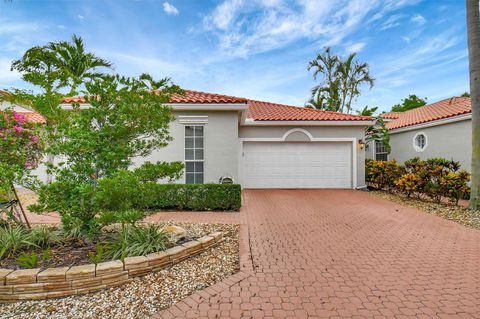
column 34, row 284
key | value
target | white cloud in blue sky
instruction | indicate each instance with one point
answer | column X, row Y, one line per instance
column 257, row 48
column 169, row 9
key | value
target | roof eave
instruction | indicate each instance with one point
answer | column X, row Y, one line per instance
column 451, row 119
column 252, row 122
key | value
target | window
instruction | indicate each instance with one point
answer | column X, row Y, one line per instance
column 194, row 154
column 420, row 142
column 381, row 152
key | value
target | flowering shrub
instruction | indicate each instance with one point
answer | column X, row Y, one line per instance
column 435, row 178
column 20, row 150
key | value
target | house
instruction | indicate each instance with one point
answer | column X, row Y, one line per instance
column 441, row 129
column 261, row 144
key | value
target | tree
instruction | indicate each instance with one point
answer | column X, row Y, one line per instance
column 473, row 30
column 378, row 132
column 409, row 103
column 326, row 65
column 76, row 64
column 465, row 94
column 341, row 80
column 51, row 68
column 353, row 75
column 367, row 111
column 127, row 118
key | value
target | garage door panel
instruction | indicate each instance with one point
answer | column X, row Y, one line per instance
column 297, row 165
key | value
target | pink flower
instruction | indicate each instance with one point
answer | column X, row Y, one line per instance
column 18, row 129
column 20, row 119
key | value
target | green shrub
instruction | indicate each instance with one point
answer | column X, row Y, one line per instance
column 435, row 178
column 201, row 197
column 137, row 241
column 130, row 216
column 27, row 260
column 14, row 238
column 408, row 183
column 382, row 174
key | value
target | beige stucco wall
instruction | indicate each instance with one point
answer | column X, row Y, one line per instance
column 221, row 145
column 450, row 141
column 357, row 132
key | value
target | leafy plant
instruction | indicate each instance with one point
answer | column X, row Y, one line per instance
column 73, row 227
column 435, row 178
column 98, row 255
column 27, row 260
column 137, row 241
column 130, row 216
column 14, row 238
column 42, row 235
column 46, row 254
column 408, row 183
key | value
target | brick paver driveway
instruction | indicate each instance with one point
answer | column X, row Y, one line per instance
column 340, row 254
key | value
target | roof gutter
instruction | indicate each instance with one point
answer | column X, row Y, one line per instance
column 452, row 119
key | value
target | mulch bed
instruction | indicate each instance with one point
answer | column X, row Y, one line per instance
column 74, row 252
column 146, row 295
column 451, row 212
column 68, row 253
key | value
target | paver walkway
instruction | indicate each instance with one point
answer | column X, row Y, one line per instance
column 342, row 254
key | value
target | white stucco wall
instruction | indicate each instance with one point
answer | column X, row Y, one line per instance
column 450, row 141
column 357, row 132
column 220, row 138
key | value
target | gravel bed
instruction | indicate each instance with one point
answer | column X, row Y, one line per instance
column 146, row 295
column 454, row 213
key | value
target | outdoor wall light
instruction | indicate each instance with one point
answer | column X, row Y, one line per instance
column 361, row 144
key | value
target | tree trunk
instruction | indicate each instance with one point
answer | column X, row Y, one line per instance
column 473, row 30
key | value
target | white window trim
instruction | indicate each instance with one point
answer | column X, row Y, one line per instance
column 375, row 151
column 204, row 150
column 415, row 146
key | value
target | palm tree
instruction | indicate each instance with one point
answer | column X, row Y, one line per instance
column 367, row 111
column 75, row 63
column 473, row 30
column 326, row 64
column 341, row 79
column 352, row 75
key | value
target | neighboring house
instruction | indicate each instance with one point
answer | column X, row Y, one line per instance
column 441, row 129
column 262, row 144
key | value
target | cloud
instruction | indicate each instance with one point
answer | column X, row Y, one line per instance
column 418, row 19
column 5, row 73
column 61, row 26
column 170, row 9
column 9, row 27
column 81, row 17
column 249, row 27
column 392, row 22
column 355, row 47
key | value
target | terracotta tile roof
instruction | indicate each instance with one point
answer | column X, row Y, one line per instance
column 190, row 97
column 33, row 117
column 443, row 109
column 197, row 97
column 391, row 115
column 266, row 111
column 258, row 110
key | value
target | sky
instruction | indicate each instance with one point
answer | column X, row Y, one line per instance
column 258, row 49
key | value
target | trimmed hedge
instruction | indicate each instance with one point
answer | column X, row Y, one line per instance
column 201, row 197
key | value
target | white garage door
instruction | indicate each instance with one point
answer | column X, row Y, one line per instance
column 297, row 165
